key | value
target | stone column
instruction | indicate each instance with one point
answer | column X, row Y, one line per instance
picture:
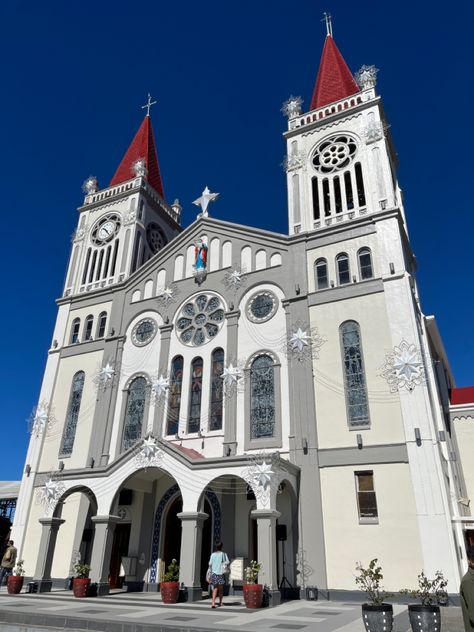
column 266, row 538
column 230, row 436
column 190, row 559
column 44, row 561
column 101, row 551
column 165, row 331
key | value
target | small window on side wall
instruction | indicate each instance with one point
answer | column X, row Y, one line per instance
column 343, row 271
column 322, row 281
column 365, row 264
column 366, row 499
column 102, row 325
column 76, row 325
column 88, row 327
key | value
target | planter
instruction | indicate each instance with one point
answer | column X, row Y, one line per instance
column 377, row 618
column 169, row 592
column 425, row 618
column 253, row 595
column 14, row 584
column 80, row 586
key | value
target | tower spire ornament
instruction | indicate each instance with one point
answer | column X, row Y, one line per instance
column 148, row 105
column 206, row 198
column 328, row 19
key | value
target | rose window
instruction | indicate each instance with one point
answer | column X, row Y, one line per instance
column 334, row 153
column 200, row 320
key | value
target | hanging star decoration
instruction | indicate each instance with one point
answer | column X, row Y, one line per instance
column 263, row 474
column 366, row 77
column 299, row 340
column 292, row 106
column 168, row 295
column 403, row 367
column 90, row 185
column 206, row 198
column 159, row 386
column 139, row 168
column 149, row 453
column 50, row 493
column 232, row 380
column 303, row 343
column 234, row 279
column 105, row 376
column 41, row 418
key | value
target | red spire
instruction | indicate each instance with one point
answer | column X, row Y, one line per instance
column 142, row 146
column 335, row 80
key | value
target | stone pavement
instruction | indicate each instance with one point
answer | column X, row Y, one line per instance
column 144, row 612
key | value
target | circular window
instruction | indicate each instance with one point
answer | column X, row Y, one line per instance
column 200, row 320
column 261, row 306
column 105, row 229
column 155, row 237
column 334, row 153
column 144, row 332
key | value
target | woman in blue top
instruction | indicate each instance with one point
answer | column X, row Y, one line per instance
column 218, row 564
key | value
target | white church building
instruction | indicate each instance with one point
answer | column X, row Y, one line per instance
column 283, row 393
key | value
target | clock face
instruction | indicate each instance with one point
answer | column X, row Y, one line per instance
column 105, row 229
column 155, row 237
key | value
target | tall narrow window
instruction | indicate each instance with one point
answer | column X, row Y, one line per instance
column 322, row 281
column 217, row 369
column 326, row 198
column 366, row 499
column 92, row 268
column 76, row 325
column 114, row 257
column 72, row 415
column 102, row 325
column 354, row 375
column 349, row 193
column 296, row 199
column 314, row 185
column 337, row 194
column 365, row 264
column 89, row 323
column 135, row 411
column 86, row 266
column 360, row 184
column 174, row 395
column 343, row 271
column 262, row 398
column 135, row 252
column 99, row 265
column 195, row 396
column 106, row 265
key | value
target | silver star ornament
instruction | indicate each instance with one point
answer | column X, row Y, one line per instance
column 206, row 198
column 263, row 474
column 299, row 340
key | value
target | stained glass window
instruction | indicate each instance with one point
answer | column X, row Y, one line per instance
column 72, row 414
column 354, row 375
column 217, row 369
column 262, row 397
column 174, row 395
column 132, row 428
column 195, row 396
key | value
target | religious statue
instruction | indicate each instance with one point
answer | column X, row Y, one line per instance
column 200, row 261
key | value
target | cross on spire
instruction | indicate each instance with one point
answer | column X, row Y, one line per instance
column 148, row 105
column 328, row 19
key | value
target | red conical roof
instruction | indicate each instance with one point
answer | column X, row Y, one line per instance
column 335, row 80
column 142, row 146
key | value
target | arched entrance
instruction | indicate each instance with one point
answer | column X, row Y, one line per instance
column 172, row 532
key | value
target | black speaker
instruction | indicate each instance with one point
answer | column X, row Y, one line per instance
column 281, row 532
column 125, row 497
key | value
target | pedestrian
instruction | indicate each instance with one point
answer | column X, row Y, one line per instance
column 8, row 562
column 218, row 568
column 467, row 592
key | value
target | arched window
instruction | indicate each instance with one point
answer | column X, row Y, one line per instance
column 102, row 325
column 135, row 411
column 195, row 396
column 360, row 184
column 88, row 327
column 354, row 374
column 174, row 395
column 76, row 325
column 343, row 271
column 215, row 406
column 321, row 268
column 72, row 415
column 365, row 264
column 262, row 397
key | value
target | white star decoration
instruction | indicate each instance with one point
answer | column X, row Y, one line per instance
column 41, row 418
column 149, row 453
column 231, row 375
column 263, row 474
column 303, row 342
column 159, row 386
column 168, row 295
column 149, row 447
column 105, row 376
column 403, row 368
column 206, row 198
column 299, row 340
column 234, row 279
column 49, row 494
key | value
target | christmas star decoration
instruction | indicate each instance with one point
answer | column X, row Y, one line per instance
column 299, row 340
column 105, row 375
column 159, row 386
column 40, row 418
column 50, row 488
column 263, row 474
column 149, row 448
column 231, row 375
column 403, row 367
column 206, row 198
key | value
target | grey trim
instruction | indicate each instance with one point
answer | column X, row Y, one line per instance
column 230, row 403
column 331, row 295
column 349, row 233
column 368, row 455
column 163, row 364
column 88, row 346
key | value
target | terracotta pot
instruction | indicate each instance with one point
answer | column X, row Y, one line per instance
column 253, row 595
column 14, row 584
column 80, row 586
column 169, row 592
column 378, row 618
column 425, row 618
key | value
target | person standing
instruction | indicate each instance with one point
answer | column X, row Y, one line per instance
column 467, row 592
column 8, row 562
column 218, row 567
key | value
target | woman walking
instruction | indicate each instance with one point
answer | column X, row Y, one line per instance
column 218, row 567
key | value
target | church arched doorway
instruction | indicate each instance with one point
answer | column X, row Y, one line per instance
column 172, row 534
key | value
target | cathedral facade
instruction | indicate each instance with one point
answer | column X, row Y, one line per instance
column 282, row 393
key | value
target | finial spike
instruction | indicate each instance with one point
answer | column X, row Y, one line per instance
column 148, row 105
column 328, row 19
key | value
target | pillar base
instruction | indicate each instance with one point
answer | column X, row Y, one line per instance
column 274, row 598
column 192, row 593
column 44, row 585
column 103, row 588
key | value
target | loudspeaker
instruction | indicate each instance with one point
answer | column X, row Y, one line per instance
column 125, row 497
column 281, row 532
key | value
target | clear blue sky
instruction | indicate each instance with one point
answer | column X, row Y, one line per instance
column 74, row 75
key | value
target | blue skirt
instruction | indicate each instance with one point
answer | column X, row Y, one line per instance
column 217, row 580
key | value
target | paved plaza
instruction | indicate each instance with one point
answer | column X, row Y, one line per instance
column 144, row 612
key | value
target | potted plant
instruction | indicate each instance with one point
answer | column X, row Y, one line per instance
column 426, row 616
column 169, row 587
column 15, row 581
column 253, row 591
column 81, row 581
column 377, row 615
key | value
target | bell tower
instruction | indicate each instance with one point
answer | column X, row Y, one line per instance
column 340, row 163
column 123, row 225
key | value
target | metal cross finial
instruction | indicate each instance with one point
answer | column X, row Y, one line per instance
column 327, row 18
column 148, row 105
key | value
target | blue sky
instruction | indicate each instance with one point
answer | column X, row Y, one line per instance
column 74, row 77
